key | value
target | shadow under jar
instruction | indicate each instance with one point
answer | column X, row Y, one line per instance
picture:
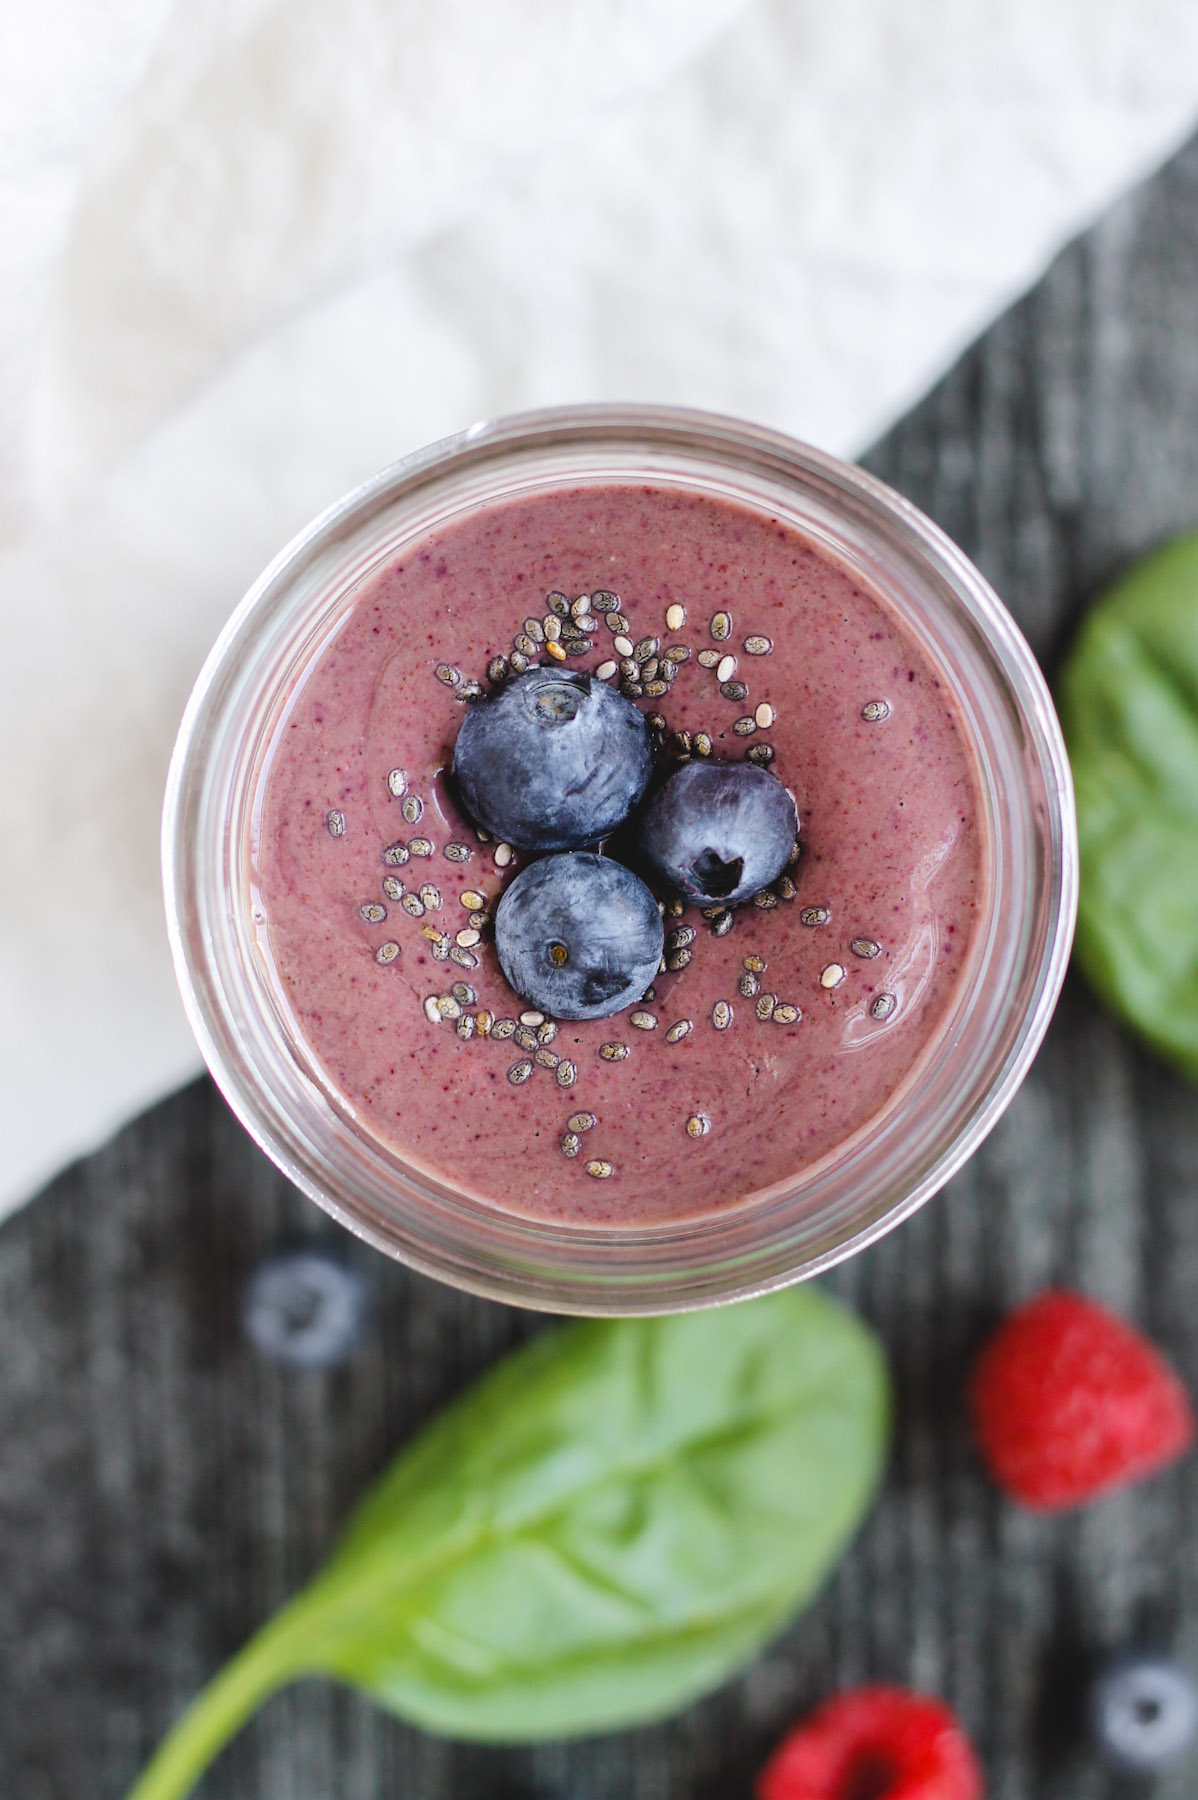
column 810, row 1066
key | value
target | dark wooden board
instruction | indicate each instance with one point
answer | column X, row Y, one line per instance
column 162, row 1490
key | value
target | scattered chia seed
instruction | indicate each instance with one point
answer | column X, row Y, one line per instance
column 722, row 924
column 532, row 1017
column 677, row 1032
column 761, row 754
column 580, row 1121
column 749, row 985
column 446, row 673
column 483, row 1021
column 605, row 601
column 503, row 855
column 617, row 623
column 397, row 783
column 765, row 900
column 552, row 626
column 372, row 912
column 547, row 1059
column 721, row 627
column 832, row 975
column 559, row 604
column 675, row 617
column 519, row 1073
column 503, row 1028
column 785, row 888
column 386, row 953
column 786, row 1014
column 472, row 900
column 623, row 646
column 677, row 961
column 754, row 965
column 431, row 896
column 865, row 947
column 535, row 630
column 421, row 847
column 655, row 689
column 470, row 690
column 524, row 646
column 412, row 906
column 882, row 1006
column 644, row 1021
column 600, row 1170
column 758, row 646
column 467, row 939
column 571, row 1144
column 393, row 887
column 815, row 915
column 702, row 744
column 448, row 1007
column 721, row 1015
column 733, row 690
column 335, row 824
column 681, row 938
column 395, row 854
column 646, row 648
column 606, row 670
column 682, row 743
column 465, row 959
column 526, row 1037
column 465, row 1026
column 764, row 715
column 497, row 669
column 765, row 1007
column 725, row 669
column 744, row 727
column 874, row 711
column 432, row 1011
column 546, row 1031
column 580, row 606
column 518, row 661
column 698, row 1125
column 566, row 1073
column 463, row 993
column 709, row 659
column 457, row 853
column 613, row 1052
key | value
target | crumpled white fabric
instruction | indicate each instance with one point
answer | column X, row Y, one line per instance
column 251, row 250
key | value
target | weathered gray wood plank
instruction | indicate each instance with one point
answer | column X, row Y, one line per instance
column 161, row 1490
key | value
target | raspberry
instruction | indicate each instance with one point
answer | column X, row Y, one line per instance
column 1069, row 1401
column 877, row 1743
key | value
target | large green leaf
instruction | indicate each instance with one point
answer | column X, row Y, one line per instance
column 606, row 1526
column 1129, row 707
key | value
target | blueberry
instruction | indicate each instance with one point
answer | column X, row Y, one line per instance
column 579, row 936
column 553, row 761
column 718, row 831
column 306, row 1308
column 1143, row 1710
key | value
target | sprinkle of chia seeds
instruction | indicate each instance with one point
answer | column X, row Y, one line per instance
column 566, row 1073
column 335, row 823
column 649, row 669
column 503, row 855
column 448, row 1007
column 457, row 853
column 397, row 783
column 559, row 604
column 722, row 924
column 497, row 669
column 599, row 1169
column 764, row 715
column 745, row 727
column 831, row 975
column 468, row 938
column 465, row 1026
column 441, row 950
column 675, row 908
column 623, row 646
column 725, row 669
column 765, row 900
column 463, row 993
column 655, row 689
column 617, row 624
column 655, row 721
column 431, row 896
column 675, row 617
column 580, row 1121
column 580, row 606
column 465, row 959
column 786, row 1014
column 758, row 646
column 874, row 711
column 372, row 912
column 546, row 1031
column 721, row 1015
column 631, row 690
column 676, row 653
column 765, row 1007
column 646, row 648
column 483, row 1021
column 721, row 627
column 479, row 920
column 698, row 1125
column 629, row 670
column 681, row 937
column 421, row 847
column 386, row 953
column 796, row 850
column 526, row 1037
column 532, row 1017
column 606, row 670
column 393, row 887
column 666, row 671
column 613, row 1052
column 535, row 630
column 702, row 744
column 519, row 661
column 524, row 645
column 815, row 915
column 761, row 754
column 519, row 1073
column 754, row 965
column 571, row 1144
column 644, row 1021
column 678, row 1031
column 412, row 906
column 555, row 651
column 547, row 1059
column 748, row 985
column 785, row 888
column 882, row 1006
column 470, row 690
column 503, row 1028
column 448, row 674
column 677, row 960
column 472, row 900
column 733, row 690
column 709, row 659
column 552, row 627
column 865, row 947
column 432, row 1011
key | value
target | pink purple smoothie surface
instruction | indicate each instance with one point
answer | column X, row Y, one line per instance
column 773, row 1038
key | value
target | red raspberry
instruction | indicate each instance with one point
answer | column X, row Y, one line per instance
column 1068, row 1401
column 877, row 1743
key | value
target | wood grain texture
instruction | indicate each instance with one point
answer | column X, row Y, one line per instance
column 162, row 1490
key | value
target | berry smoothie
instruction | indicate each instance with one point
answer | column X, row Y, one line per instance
column 778, row 1028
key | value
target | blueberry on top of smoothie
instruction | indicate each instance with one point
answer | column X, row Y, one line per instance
column 579, row 936
column 718, row 831
column 554, row 761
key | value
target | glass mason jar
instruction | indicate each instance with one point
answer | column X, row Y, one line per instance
column 965, row 1077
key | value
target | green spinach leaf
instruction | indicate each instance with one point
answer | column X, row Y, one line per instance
column 604, row 1527
column 1129, row 707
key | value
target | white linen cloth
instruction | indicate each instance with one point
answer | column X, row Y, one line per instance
column 251, row 250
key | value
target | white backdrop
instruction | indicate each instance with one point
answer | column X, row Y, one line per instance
column 251, row 250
